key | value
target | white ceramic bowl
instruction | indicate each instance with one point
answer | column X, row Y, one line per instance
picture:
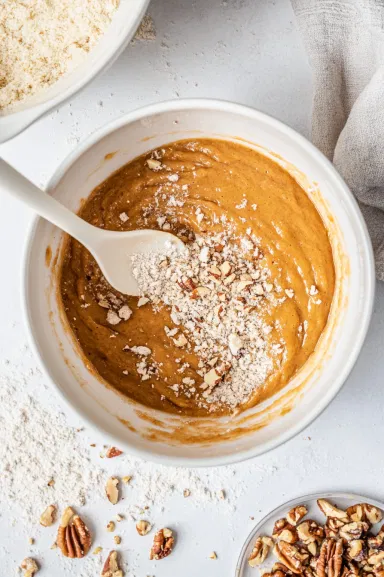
column 123, row 26
column 171, row 439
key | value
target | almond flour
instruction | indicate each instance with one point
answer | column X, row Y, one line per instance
column 215, row 301
column 41, row 41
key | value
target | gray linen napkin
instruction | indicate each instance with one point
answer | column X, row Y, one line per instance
column 345, row 44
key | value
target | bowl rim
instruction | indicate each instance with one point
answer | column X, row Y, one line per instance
column 18, row 121
column 365, row 317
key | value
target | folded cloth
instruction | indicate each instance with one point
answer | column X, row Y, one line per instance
column 345, row 44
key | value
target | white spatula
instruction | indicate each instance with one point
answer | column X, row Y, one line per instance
column 111, row 249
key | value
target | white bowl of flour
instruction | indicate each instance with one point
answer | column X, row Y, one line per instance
column 50, row 51
column 181, row 440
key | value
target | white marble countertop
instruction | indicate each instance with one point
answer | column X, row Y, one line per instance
column 250, row 52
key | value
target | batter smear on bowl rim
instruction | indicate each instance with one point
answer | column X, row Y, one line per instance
column 230, row 322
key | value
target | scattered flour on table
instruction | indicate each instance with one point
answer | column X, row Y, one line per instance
column 36, row 447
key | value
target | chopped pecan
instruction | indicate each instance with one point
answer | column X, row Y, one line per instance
column 260, row 551
column 113, row 452
column 330, row 558
column 353, row 530
column 284, row 531
column 357, row 550
column 378, row 570
column 29, row 566
column 332, row 527
column 376, row 558
column 377, row 542
column 350, row 570
column 295, row 515
column 111, row 566
column 330, row 510
column 47, row 518
column 163, row 543
column 73, row 538
column 143, row 527
column 112, row 490
column 290, row 556
column 356, row 512
column 309, row 531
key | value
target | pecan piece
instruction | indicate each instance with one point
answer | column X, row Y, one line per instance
column 47, row 518
column 332, row 527
column 330, row 558
column 376, row 558
column 377, row 542
column 290, row 556
column 330, row 510
column 112, row 490
column 111, row 566
column 285, row 531
column 295, row 515
column 357, row 550
column 29, row 566
column 113, row 452
column 365, row 512
column 163, row 543
column 260, row 551
column 354, row 530
column 143, row 527
column 73, row 537
column 309, row 532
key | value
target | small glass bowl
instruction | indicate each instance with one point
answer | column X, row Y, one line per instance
column 265, row 526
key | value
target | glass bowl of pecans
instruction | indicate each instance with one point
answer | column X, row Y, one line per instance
column 321, row 535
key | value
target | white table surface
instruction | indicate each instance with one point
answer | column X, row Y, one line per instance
column 247, row 51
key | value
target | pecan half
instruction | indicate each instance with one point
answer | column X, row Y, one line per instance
column 163, row 543
column 290, row 556
column 111, row 566
column 285, row 531
column 73, row 537
column 295, row 515
column 330, row 558
column 330, row 510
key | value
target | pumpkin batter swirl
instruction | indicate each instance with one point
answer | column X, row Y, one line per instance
column 202, row 189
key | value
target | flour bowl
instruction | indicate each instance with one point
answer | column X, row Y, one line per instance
column 175, row 439
column 123, row 26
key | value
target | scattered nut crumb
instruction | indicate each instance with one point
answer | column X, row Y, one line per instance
column 97, row 550
column 48, row 516
column 222, row 494
column 213, row 555
column 126, row 479
column 186, row 492
column 113, row 452
column 29, row 566
column 117, row 539
column 112, row 490
column 111, row 526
